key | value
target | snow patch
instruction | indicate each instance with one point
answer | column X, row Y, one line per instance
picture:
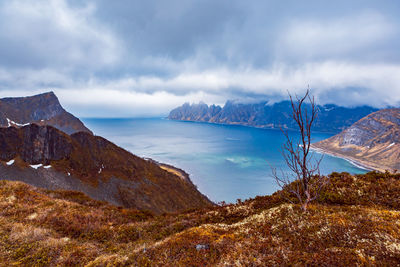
column 10, row 123
column 101, row 169
column 47, row 166
column 11, row 162
column 69, row 174
column 36, row 166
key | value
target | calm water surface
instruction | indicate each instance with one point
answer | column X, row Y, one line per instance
column 225, row 162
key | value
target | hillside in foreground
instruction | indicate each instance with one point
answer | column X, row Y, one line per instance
column 355, row 222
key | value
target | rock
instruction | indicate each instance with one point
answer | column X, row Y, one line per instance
column 42, row 109
column 202, row 247
column 372, row 141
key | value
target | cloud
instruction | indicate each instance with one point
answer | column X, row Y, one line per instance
column 135, row 58
column 106, row 102
column 343, row 83
column 44, row 34
column 343, row 37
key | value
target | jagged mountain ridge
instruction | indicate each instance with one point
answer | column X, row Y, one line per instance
column 373, row 141
column 42, row 109
column 95, row 166
column 331, row 118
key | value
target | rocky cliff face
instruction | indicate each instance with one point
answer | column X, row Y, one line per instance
column 34, row 144
column 373, row 141
column 46, row 157
column 43, row 109
column 331, row 118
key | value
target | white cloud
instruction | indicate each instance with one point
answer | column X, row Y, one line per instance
column 382, row 79
column 53, row 33
column 340, row 82
column 105, row 102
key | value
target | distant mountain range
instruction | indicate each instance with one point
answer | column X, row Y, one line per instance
column 43, row 109
column 331, row 118
column 35, row 152
column 373, row 141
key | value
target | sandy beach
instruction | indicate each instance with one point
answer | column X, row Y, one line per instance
column 356, row 162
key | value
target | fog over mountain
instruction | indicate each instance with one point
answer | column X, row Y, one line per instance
column 143, row 58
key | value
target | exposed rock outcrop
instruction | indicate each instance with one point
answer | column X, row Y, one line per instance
column 373, row 141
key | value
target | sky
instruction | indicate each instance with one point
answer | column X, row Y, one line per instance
column 131, row 58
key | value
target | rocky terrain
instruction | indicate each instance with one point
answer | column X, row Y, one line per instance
column 331, row 118
column 373, row 141
column 43, row 109
column 354, row 223
column 46, row 157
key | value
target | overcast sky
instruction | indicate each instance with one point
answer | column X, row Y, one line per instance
column 141, row 58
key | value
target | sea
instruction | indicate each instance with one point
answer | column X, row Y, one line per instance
column 225, row 162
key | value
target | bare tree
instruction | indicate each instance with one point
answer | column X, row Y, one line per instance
column 305, row 181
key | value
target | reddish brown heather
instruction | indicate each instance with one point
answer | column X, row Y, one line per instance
column 356, row 222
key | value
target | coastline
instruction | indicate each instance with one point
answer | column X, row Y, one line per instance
column 180, row 173
column 357, row 163
column 262, row 127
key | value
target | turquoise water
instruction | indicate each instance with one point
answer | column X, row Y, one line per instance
column 225, row 162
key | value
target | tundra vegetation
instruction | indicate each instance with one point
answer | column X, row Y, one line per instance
column 355, row 221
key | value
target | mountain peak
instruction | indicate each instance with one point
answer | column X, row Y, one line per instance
column 42, row 109
column 48, row 96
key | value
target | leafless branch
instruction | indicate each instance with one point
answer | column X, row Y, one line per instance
column 305, row 180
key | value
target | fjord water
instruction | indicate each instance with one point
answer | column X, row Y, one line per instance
column 226, row 162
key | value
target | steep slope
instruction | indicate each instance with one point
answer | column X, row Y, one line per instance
column 355, row 223
column 95, row 166
column 43, row 109
column 373, row 141
column 331, row 118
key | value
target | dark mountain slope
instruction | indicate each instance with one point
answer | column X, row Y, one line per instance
column 373, row 141
column 43, row 109
column 95, row 166
column 331, row 118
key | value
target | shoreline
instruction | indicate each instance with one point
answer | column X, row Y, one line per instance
column 180, row 173
column 355, row 162
column 249, row 126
